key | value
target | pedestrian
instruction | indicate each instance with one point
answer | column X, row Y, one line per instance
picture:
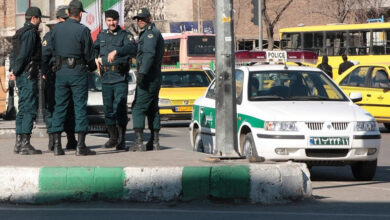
column 48, row 70
column 149, row 56
column 344, row 65
column 24, row 64
column 324, row 66
column 73, row 49
column 114, row 48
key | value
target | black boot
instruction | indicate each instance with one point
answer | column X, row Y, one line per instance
column 50, row 146
column 156, row 143
column 138, row 143
column 27, row 148
column 82, row 150
column 57, row 144
column 113, row 135
column 18, row 143
column 153, row 143
column 72, row 143
column 121, row 129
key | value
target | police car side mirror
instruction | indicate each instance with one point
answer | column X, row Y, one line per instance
column 355, row 96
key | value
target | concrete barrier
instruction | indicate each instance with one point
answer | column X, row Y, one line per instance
column 255, row 183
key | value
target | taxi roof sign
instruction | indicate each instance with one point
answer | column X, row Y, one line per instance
column 275, row 56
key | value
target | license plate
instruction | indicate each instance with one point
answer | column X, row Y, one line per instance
column 329, row 140
column 183, row 109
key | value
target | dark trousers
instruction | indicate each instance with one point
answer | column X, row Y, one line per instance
column 71, row 83
column 50, row 103
column 146, row 105
column 27, row 104
column 115, row 103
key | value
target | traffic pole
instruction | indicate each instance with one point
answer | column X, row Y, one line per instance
column 260, row 26
column 225, row 102
column 40, row 120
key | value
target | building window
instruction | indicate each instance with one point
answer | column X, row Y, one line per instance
column 21, row 6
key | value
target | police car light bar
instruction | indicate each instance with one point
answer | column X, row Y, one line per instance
column 275, row 56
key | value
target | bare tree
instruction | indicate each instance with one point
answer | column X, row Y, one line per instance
column 367, row 9
column 336, row 9
column 270, row 24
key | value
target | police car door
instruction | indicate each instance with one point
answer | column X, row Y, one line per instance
column 207, row 119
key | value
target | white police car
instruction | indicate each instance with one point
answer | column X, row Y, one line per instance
column 293, row 113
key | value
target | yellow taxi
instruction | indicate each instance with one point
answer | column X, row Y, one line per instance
column 372, row 81
column 179, row 89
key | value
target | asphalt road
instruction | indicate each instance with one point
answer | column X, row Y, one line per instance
column 336, row 195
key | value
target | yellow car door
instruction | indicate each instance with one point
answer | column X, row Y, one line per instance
column 380, row 94
column 356, row 80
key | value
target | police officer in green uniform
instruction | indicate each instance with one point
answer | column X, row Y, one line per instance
column 73, row 49
column 113, row 49
column 149, row 57
column 48, row 69
column 25, row 59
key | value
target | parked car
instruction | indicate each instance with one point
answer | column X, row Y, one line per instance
column 132, row 86
column 293, row 113
column 95, row 104
column 372, row 80
column 179, row 89
column 95, row 101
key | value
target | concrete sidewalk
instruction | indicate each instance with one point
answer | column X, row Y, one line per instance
column 171, row 174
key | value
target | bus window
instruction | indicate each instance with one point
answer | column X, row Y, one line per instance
column 291, row 41
column 336, row 43
column 378, row 42
column 201, row 45
column 318, row 43
column 171, row 51
column 307, row 41
column 359, row 43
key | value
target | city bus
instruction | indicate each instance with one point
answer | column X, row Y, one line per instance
column 363, row 43
column 189, row 50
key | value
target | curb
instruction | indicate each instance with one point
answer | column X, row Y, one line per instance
column 255, row 183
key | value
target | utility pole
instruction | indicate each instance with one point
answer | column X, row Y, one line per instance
column 260, row 26
column 200, row 21
column 225, row 102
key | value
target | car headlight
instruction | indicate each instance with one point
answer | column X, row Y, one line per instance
column 366, row 126
column 281, row 126
column 162, row 102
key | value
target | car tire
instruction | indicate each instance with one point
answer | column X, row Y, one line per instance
column 387, row 126
column 364, row 170
column 248, row 146
column 198, row 144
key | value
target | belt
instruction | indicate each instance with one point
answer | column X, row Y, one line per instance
column 78, row 60
column 110, row 68
column 114, row 68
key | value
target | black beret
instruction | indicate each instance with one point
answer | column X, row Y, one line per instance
column 112, row 14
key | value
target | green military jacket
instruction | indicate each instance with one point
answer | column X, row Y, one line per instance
column 70, row 39
column 30, row 49
column 150, row 53
column 123, row 42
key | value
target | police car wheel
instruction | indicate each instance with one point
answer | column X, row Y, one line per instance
column 249, row 148
column 364, row 170
column 198, row 144
column 387, row 125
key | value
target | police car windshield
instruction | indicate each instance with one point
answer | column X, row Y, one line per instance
column 292, row 86
column 184, row 79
